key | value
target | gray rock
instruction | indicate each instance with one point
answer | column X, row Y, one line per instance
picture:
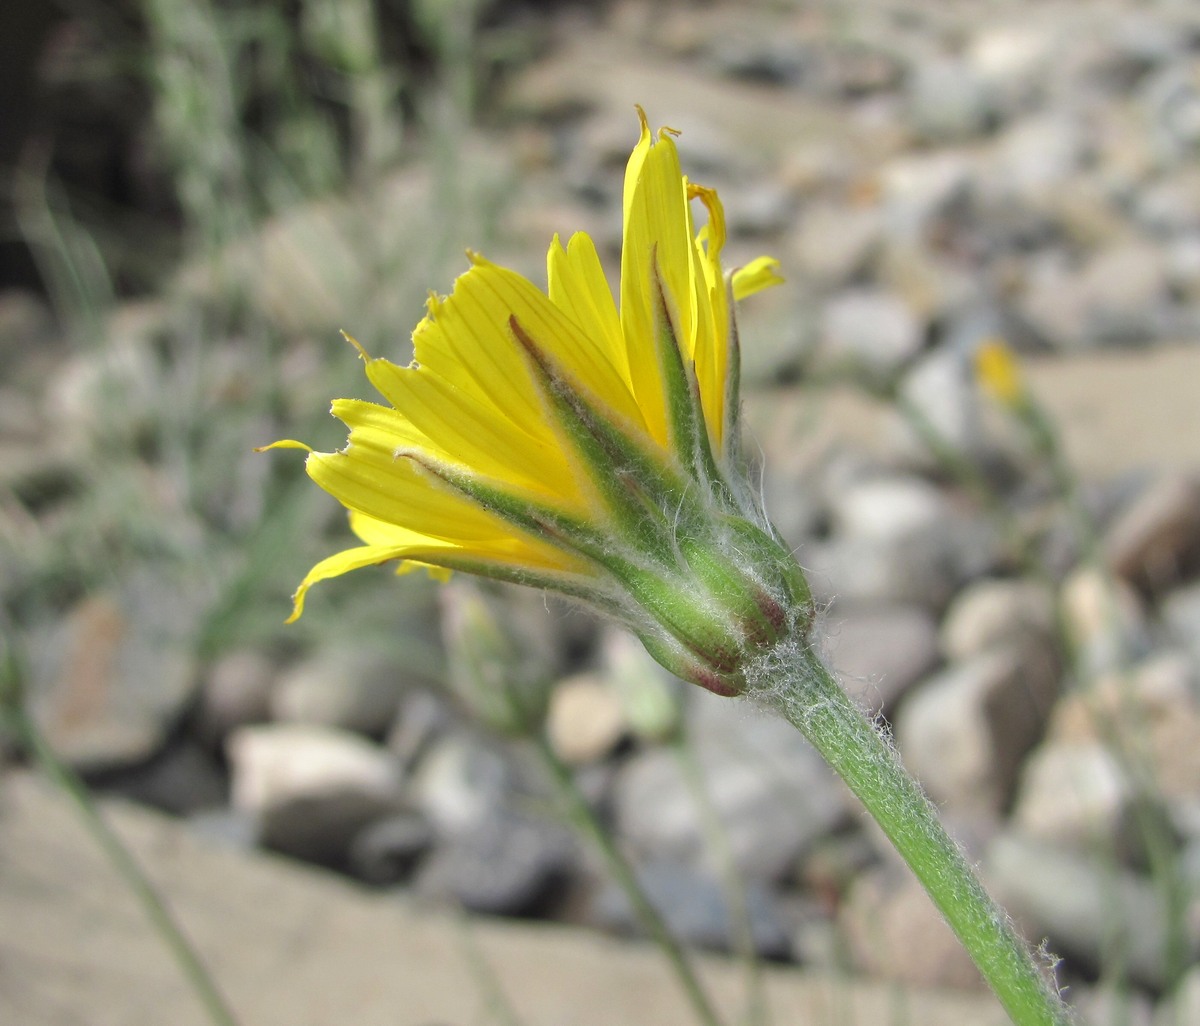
column 934, row 283
column 790, row 470
column 948, row 102
column 882, row 563
column 756, row 57
column 652, row 698
column 1175, row 761
column 110, row 391
column 1115, row 1003
column 26, row 322
column 996, row 611
column 941, row 391
column 1036, row 154
column 459, row 781
column 888, row 508
column 751, row 766
column 1181, row 615
column 812, row 166
column 836, row 241
column 422, row 718
column 870, row 331
column 386, row 851
column 111, row 681
column 182, row 779
column 586, row 720
column 1153, row 703
column 1118, row 296
column 1182, row 1005
column 784, row 329
column 311, row 789
column 1139, row 41
column 1170, row 206
column 894, row 933
column 1155, row 542
column 225, row 827
column 879, row 652
column 1088, row 909
column 1104, row 619
column 760, row 208
column 1171, row 98
column 1011, row 59
column 352, row 689
column 964, row 732
column 235, row 692
column 1052, row 300
column 965, row 329
column 919, row 188
column 493, row 669
column 332, row 954
column 1182, row 257
column 1123, row 289
column 695, row 908
column 1076, row 796
column 920, row 569
column 1086, row 213
column 505, row 864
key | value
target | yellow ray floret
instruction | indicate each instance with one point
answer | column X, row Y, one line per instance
column 477, row 428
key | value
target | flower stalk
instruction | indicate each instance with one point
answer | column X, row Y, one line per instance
column 804, row 692
column 651, row 920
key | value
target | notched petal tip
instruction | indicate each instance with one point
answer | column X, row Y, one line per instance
column 645, row 122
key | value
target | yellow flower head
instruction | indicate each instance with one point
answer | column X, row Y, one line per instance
column 558, row 440
column 999, row 373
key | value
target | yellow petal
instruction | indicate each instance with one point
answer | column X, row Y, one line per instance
column 336, row 565
column 284, row 443
column 372, row 474
column 761, row 273
column 450, row 421
column 657, row 233
column 711, row 345
column 577, row 286
column 505, row 545
column 496, row 294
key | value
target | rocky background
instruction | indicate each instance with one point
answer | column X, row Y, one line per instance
column 1019, row 602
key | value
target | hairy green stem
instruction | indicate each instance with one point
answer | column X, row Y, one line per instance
column 652, row 922
column 808, row 696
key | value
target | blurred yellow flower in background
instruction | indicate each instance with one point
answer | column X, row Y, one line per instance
column 999, row 373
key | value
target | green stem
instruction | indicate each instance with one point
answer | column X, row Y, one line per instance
column 812, row 701
column 126, row 866
column 717, row 840
column 587, row 822
column 495, row 1000
column 1119, row 729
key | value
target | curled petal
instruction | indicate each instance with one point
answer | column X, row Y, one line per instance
column 761, row 273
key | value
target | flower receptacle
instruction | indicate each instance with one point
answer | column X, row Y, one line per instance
column 721, row 602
